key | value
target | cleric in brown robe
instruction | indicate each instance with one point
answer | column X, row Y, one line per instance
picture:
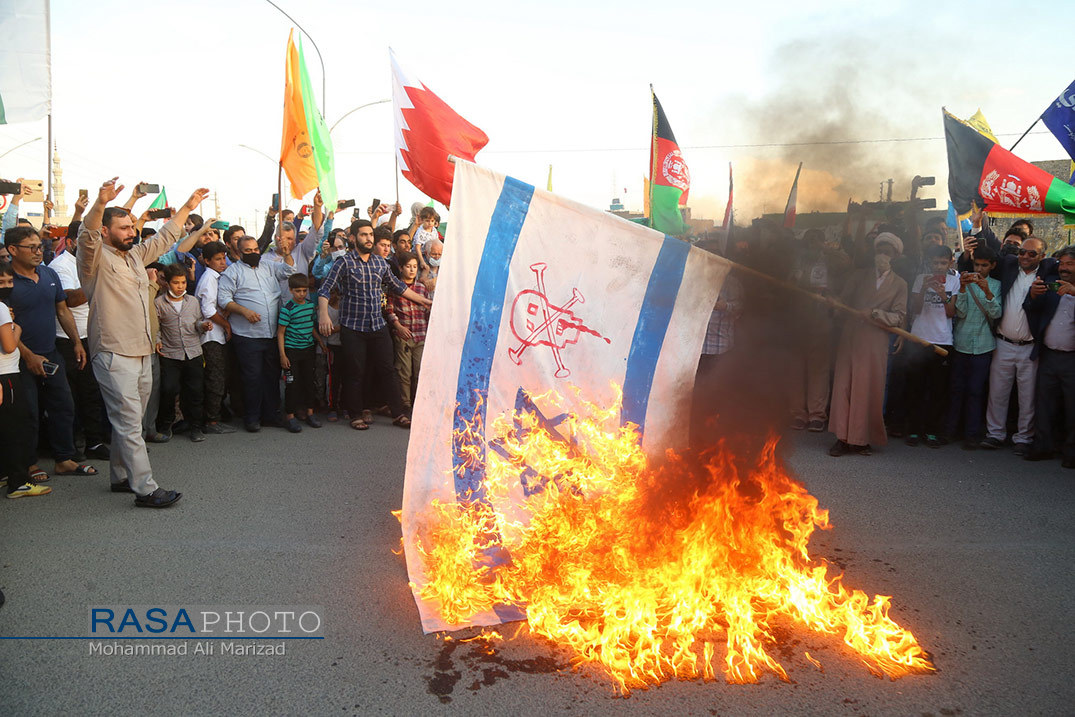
column 856, row 414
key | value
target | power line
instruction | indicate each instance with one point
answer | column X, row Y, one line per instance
column 717, row 146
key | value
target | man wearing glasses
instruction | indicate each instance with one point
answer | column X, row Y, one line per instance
column 1014, row 359
column 38, row 301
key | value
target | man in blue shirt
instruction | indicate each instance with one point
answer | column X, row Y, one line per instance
column 37, row 302
column 367, row 345
column 250, row 291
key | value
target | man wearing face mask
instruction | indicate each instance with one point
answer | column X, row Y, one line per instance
column 113, row 274
column 1014, row 358
column 433, row 249
column 366, row 341
column 249, row 291
column 858, row 388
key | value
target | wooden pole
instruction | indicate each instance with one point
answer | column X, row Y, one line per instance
column 838, row 305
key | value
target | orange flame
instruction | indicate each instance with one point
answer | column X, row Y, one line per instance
column 644, row 569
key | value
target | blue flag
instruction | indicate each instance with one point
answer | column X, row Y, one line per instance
column 953, row 222
column 1060, row 119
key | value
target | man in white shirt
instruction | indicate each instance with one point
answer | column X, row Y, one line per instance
column 215, row 258
column 1014, row 359
column 933, row 304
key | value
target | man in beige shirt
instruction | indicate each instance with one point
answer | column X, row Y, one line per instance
column 112, row 269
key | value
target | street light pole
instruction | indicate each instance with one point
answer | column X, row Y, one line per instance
column 356, row 109
column 252, row 149
column 316, row 49
column 30, row 141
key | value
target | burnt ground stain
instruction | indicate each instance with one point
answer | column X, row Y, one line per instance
column 480, row 659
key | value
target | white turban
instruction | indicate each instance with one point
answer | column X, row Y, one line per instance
column 891, row 239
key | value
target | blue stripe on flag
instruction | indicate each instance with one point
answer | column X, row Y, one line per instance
column 476, row 361
column 657, row 306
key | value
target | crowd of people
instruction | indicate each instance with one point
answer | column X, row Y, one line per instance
column 107, row 326
column 113, row 334
column 1000, row 309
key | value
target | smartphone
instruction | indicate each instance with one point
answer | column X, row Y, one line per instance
column 376, row 203
column 37, row 190
column 83, row 194
column 149, row 188
column 50, row 368
column 344, row 204
column 160, row 213
column 10, row 188
column 275, row 200
column 221, row 225
column 57, row 232
column 1053, row 285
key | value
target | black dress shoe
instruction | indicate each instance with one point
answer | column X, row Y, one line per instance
column 101, row 452
column 838, row 449
column 124, row 487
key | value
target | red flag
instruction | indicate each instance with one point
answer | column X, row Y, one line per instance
column 728, row 218
column 427, row 132
column 789, row 210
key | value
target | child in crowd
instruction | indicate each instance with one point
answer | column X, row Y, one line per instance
column 933, row 302
column 15, row 456
column 427, row 229
column 978, row 307
column 408, row 321
column 180, row 348
column 295, row 339
column 215, row 259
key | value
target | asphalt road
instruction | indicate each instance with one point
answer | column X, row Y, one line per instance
column 977, row 550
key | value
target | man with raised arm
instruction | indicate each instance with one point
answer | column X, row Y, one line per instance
column 112, row 269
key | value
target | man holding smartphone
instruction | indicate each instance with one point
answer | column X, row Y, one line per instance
column 113, row 273
column 38, row 301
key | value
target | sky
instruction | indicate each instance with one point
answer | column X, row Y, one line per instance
column 166, row 92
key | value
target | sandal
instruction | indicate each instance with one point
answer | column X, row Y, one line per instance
column 402, row 421
column 39, row 476
column 359, row 425
column 81, row 470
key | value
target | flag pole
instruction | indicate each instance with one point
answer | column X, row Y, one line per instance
column 46, row 213
column 396, row 158
column 1012, row 149
column 279, row 193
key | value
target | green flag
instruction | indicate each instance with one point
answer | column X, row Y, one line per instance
column 320, row 138
column 161, row 202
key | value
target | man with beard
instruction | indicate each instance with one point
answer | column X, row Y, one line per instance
column 112, row 269
column 358, row 277
column 858, row 389
column 1051, row 310
column 1014, row 359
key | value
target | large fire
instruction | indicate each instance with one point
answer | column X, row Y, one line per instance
column 651, row 571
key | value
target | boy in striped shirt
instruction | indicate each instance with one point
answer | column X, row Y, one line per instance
column 295, row 338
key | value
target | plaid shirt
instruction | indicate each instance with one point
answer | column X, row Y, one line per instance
column 720, row 332
column 361, row 295
column 414, row 317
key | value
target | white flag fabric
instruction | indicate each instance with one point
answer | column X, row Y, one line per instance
column 536, row 292
column 25, row 61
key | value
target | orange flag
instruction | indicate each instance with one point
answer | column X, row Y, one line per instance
column 296, row 150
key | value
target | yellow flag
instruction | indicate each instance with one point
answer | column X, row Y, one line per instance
column 645, row 197
column 296, row 150
column 978, row 122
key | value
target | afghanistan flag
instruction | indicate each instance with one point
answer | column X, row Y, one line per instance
column 306, row 147
column 982, row 173
column 670, row 180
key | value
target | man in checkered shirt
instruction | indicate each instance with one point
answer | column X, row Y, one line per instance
column 358, row 278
